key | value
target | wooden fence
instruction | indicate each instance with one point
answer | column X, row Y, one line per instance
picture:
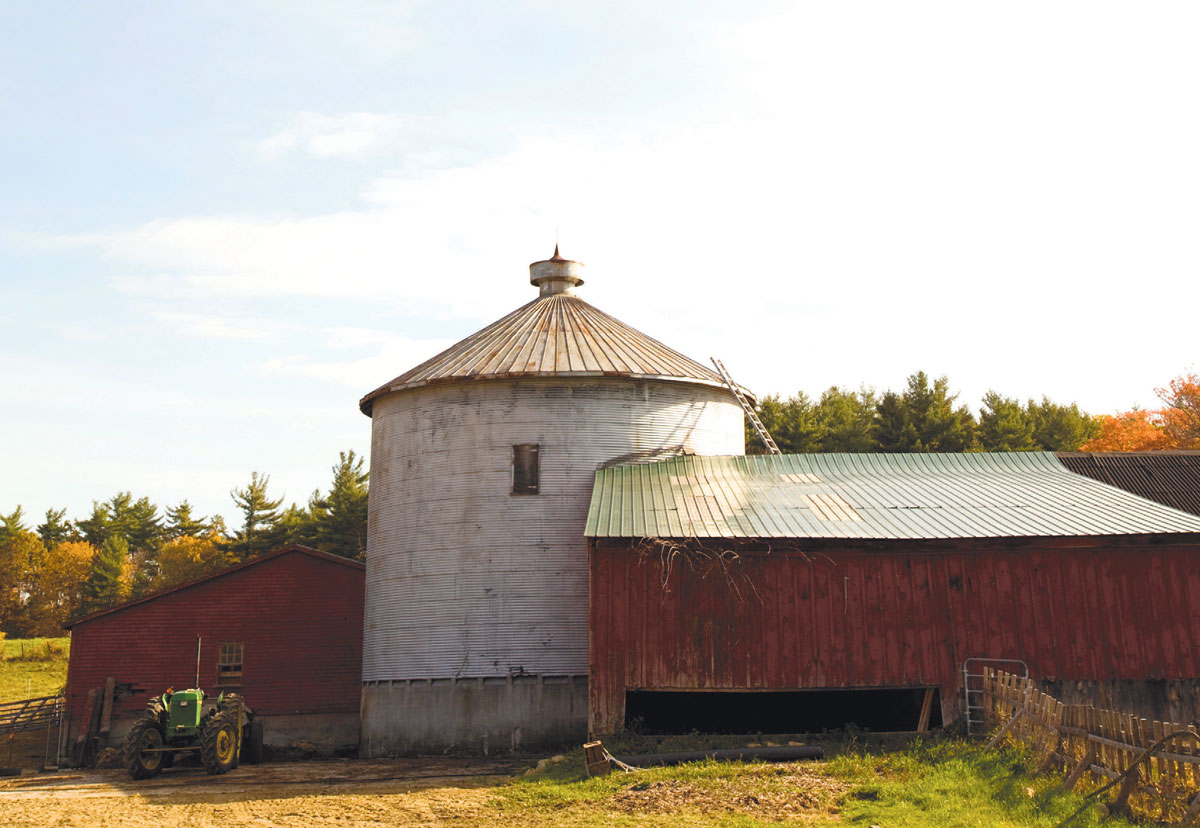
column 1081, row 739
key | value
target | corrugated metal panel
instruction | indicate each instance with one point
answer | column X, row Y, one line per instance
column 553, row 336
column 299, row 617
column 890, row 614
column 1170, row 478
column 1020, row 494
column 464, row 578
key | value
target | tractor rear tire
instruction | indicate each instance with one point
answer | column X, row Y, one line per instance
column 141, row 758
column 219, row 743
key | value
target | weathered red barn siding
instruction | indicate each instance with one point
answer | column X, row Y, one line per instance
column 846, row 614
column 298, row 614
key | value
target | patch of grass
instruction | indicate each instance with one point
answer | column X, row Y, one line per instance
column 937, row 782
column 955, row 783
column 33, row 667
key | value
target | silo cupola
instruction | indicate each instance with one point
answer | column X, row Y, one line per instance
column 556, row 274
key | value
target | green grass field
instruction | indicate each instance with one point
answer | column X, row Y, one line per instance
column 942, row 782
column 33, row 667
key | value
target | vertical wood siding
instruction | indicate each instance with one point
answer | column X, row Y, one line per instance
column 299, row 618
column 846, row 615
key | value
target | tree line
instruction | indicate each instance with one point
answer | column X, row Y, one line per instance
column 125, row 548
column 926, row 417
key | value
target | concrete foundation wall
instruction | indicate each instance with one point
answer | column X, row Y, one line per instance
column 327, row 732
column 500, row 714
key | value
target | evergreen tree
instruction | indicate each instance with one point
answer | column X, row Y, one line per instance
column 1004, row 425
column 13, row 524
column 845, row 420
column 791, row 423
column 97, row 526
column 105, row 584
column 57, row 529
column 894, row 430
column 342, row 522
column 1060, row 427
column 181, row 523
column 293, row 525
column 259, row 516
column 938, row 425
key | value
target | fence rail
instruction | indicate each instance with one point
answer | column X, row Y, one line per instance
column 30, row 714
column 1156, row 760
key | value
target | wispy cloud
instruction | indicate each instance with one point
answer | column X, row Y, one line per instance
column 390, row 354
column 344, row 135
column 215, row 326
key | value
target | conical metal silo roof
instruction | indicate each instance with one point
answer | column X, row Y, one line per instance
column 556, row 335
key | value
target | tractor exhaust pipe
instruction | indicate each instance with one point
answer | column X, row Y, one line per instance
column 198, row 640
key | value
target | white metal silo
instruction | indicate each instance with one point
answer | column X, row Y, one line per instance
column 482, row 461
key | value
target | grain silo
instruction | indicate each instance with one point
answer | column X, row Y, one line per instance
column 482, row 463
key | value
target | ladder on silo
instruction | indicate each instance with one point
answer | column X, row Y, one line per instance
column 763, row 434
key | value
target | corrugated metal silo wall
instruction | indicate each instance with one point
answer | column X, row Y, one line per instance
column 896, row 614
column 465, row 579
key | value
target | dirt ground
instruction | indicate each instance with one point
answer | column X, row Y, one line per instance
column 345, row 793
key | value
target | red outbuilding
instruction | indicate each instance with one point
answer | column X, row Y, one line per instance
column 796, row 593
column 283, row 630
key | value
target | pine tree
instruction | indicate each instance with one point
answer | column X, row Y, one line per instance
column 105, row 584
column 342, row 524
column 13, row 524
column 57, row 529
column 846, row 420
column 1059, row 427
column 894, row 430
column 181, row 524
column 791, row 423
column 259, row 516
column 1004, row 425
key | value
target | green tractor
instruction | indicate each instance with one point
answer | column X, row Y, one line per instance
column 177, row 723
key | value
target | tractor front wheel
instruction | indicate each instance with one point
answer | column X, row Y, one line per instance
column 143, row 756
column 219, row 743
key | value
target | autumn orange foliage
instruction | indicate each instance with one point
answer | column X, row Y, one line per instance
column 1181, row 417
column 1176, row 426
column 1136, row 430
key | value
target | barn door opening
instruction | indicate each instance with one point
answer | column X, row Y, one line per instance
column 781, row 711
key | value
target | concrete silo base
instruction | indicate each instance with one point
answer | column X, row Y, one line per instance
column 500, row 714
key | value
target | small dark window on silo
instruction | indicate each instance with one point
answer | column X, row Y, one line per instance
column 525, row 469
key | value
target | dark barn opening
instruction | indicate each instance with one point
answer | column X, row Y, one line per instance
column 792, row 711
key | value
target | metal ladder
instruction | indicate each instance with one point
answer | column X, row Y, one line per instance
column 763, row 434
column 972, row 687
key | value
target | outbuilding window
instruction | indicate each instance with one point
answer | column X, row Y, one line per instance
column 525, row 469
column 229, row 663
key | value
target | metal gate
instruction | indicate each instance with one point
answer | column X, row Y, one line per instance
column 973, row 686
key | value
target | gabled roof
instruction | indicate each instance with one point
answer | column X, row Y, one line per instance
column 1171, row 478
column 876, row 496
column 559, row 335
column 290, row 549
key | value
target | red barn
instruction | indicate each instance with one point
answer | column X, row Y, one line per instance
column 795, row 593
column 284, row 630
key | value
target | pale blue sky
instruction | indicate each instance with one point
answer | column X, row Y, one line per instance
column 222, row 223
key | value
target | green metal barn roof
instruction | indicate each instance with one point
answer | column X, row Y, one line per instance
column 885, row 496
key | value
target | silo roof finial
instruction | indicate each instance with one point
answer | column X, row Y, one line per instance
column 556, row 274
